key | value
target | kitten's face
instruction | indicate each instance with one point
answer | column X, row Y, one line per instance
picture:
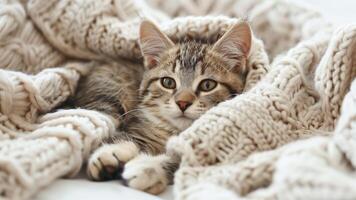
column 185, row 80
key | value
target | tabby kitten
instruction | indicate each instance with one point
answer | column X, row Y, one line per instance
column 181, row 82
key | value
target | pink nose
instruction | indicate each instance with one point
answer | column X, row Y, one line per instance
column 183, row 105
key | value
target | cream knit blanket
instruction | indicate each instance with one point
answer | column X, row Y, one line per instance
column 49, row 43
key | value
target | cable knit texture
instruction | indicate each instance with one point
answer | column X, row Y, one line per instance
column 244, row 148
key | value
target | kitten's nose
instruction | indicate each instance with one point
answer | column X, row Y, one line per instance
column 183, row 105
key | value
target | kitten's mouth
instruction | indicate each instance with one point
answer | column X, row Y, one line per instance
column 184, row 117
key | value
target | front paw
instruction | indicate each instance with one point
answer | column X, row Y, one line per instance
column 146, row 173
column 107, row 161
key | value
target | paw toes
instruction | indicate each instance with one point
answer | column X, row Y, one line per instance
column 156, row 189
column 110, row 171
column 93, row 171
column 108, row 161
column 145, row 174
column 143, row 184
column 105, row 167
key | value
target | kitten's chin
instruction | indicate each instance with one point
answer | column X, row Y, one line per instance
column 182, row 122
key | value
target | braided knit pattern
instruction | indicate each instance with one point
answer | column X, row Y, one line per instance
column 296, row 97
column 22, row 46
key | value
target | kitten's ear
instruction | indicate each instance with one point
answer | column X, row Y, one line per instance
column 235, row 43
column 152, row 43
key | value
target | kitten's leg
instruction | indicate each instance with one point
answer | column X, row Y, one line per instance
column 149, row 173
column 107, row 161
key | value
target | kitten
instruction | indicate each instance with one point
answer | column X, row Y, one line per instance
column 181, row 82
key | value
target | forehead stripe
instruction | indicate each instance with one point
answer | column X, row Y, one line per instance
column 202, row 69
column 174, row 67
column 148, row 85
column 190, row 54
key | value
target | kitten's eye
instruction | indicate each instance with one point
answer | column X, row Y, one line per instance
column 207, row 85
column 168, row 82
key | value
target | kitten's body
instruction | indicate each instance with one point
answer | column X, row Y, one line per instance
column 181, row 82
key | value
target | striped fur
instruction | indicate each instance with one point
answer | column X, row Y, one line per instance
column 155, row 114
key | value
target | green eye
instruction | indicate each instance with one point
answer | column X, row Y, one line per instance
column 168, row 82
column 207, row 85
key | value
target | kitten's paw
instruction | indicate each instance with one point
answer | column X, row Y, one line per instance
column 107, row 161
column 146, row 173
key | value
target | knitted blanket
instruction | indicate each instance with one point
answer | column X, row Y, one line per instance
column 243, row 148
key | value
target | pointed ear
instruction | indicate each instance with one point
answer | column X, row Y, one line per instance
column 152, row 43
column 235, row 43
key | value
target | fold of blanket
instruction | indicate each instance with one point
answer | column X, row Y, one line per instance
column 35, row 149
column 316, row 168
column 298, row 96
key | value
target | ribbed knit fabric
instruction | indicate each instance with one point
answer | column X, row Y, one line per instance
column 298, row 96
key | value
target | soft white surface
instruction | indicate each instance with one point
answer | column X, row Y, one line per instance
column 338, row 11
column 84, row 189
column 81, row 189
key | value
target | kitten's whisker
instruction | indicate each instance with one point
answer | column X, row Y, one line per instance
column 132, row 100
column 130, row 111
